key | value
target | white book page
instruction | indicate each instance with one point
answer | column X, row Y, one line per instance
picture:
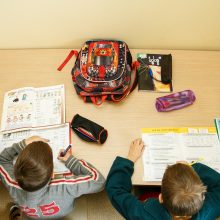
column 202, row 147
column 18, row 109
column 58, row 136
column 50, row 106
column 160, row 151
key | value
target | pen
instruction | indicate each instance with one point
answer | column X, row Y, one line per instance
column 196, row 161
column 62, row 154
column 86, row 134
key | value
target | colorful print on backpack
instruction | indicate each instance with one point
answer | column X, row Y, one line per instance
column 102, row 71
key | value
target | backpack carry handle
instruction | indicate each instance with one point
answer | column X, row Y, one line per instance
column 72, row 53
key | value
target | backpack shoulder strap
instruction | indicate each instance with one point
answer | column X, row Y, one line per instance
column 116, row 98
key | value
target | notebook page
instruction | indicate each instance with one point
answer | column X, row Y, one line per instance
column 161, row 150
column 58, row 136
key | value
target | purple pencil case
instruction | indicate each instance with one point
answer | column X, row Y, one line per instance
column 175, row 101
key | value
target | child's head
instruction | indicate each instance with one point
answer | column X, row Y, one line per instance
column 182, row 190
column 34, row 166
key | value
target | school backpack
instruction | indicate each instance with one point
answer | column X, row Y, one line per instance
column 102, row 71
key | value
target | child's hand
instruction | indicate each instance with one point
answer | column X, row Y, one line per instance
column 65, row 158
column 136, row 149
column 35, row 138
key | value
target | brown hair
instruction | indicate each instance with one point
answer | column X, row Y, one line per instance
column 34, row 166
column 182, row 191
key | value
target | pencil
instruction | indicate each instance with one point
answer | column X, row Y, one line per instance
column 196, row 161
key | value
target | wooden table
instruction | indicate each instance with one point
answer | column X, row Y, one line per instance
column 196, row 70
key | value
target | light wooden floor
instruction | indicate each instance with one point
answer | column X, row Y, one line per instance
column 89, row 207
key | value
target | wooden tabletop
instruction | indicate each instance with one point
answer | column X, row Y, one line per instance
column 195, row 70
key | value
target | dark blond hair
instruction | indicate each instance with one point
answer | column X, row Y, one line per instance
column 182, row 190
column 34, row 166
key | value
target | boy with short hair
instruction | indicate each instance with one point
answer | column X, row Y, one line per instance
column 30, row 181
column 182, row 191
column 186, row 192
column 34, row 167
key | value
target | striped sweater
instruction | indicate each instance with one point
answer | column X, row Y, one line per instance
column 56, row 199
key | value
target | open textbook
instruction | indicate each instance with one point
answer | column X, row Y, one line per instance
column 58, row 136
column 166, row 146
column 29, row 107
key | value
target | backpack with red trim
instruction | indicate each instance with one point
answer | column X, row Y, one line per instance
column 102, row 71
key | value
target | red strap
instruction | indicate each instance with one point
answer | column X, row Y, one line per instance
column 98, row 100
column 72, row 53
column 135, row 66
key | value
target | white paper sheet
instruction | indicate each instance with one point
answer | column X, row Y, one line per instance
column 163, row 149
column 58, row 136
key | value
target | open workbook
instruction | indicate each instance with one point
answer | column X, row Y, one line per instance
column 29, row 107
column 166, row 146
column 58, row 136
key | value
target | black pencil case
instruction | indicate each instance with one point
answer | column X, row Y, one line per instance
column 88, row 130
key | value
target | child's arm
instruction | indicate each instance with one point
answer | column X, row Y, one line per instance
column 211, row 179
column 8, row 154
column 118, row 187
column 6, row 163
column 86, row 179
